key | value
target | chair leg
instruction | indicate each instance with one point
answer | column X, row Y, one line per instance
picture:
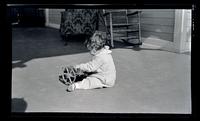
column 111, row 30
column 65, row 38
column 140, row 41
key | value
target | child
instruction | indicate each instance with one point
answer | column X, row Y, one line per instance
column 101, row 66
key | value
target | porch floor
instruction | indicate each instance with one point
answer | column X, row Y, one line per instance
column 149, row 80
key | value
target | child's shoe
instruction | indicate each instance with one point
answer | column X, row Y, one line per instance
column 71, row 88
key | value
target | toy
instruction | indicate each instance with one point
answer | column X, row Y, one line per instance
column 71, row 75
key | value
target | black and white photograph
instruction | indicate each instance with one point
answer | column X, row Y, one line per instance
column 101, row 60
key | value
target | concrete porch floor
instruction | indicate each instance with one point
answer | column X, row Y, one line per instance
column 149, row 80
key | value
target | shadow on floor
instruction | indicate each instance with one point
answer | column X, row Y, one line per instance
column 19, row 105
column 121, row 44
column 41, row 42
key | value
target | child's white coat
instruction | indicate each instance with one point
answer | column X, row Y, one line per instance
column 102, row 63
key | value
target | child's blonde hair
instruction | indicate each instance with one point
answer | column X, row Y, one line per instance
column 97, row 41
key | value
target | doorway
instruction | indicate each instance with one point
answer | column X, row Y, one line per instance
column 25, row 16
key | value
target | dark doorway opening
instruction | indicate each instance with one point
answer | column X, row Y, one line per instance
column 26, row 16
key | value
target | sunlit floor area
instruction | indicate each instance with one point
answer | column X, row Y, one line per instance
column 149, row 80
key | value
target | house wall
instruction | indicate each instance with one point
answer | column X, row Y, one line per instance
column 169, row 29
column 158, row 24
column 155, row 23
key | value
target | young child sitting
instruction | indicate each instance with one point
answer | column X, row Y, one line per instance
column 101, row 67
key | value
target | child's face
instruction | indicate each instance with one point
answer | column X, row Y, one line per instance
column 95, row 42
column 90, row 47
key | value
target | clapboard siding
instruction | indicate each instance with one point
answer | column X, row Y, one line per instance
column 158, row 13
column 158, row 23
column 155, row 23
column 157, row 28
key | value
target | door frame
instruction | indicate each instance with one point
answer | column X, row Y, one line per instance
column 182, row 31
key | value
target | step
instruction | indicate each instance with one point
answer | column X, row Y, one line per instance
column 126, row 30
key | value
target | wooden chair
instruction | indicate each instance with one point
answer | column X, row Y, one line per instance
column 123, row 24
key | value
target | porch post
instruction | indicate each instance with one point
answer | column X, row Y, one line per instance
column 180, row 31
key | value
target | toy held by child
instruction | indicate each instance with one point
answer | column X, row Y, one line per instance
column 71, row 75
column 100, row 72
